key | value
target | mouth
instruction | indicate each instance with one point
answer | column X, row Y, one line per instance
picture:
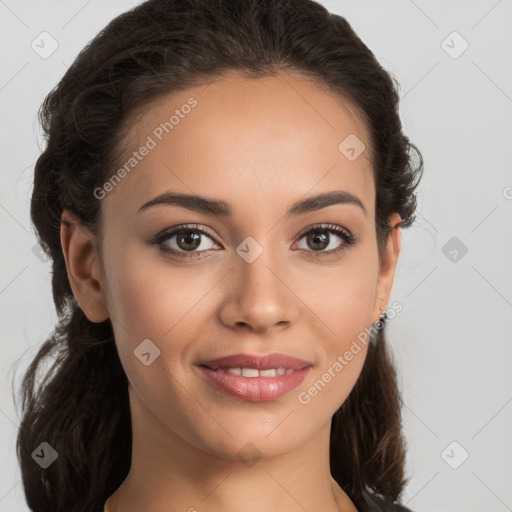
column 276, row 361
column 253, row 372
column 255, row 378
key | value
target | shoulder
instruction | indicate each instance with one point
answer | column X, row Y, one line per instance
column 377, row 503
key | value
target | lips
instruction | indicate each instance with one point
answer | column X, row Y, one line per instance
column 254, row 378
column 264, row 362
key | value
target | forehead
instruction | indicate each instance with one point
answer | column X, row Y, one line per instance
column 273, row 138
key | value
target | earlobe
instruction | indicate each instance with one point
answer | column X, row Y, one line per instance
column 83, row 267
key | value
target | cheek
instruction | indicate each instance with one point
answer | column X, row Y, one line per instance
column 344, row 303
column 153, row 300
column 345, row 320
column 148, row 296
column 344, row 297
column 160, row 301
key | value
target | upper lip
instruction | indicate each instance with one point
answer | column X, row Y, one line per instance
column 258, row 362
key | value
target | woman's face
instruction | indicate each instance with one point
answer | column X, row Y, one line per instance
column 256, row 283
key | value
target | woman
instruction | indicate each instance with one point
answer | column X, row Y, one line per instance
column 222, row 195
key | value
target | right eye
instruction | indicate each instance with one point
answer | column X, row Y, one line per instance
column 184, row 241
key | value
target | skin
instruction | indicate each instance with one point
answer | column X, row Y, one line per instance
column 260, row 146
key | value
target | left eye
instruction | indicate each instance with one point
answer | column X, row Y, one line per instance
column 319, row 239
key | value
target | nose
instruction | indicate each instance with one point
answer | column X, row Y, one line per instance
column 260, row 296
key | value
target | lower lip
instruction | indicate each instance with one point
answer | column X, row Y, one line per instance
column 254, row 389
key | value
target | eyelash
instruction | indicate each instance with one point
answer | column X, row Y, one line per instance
column 162, row 237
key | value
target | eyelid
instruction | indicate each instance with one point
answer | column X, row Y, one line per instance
column 167, row 233
column 325, row 226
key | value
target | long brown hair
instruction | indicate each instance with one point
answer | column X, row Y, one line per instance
column 80, row 407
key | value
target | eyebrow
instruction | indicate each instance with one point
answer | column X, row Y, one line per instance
column 222, row 209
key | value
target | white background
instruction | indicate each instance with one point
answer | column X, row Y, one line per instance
column 453, row 340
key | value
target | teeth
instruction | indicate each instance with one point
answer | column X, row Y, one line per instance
column 253, row 372
column 250, row 372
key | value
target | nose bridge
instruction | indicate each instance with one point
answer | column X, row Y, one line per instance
column 260, row 297
column 257, row 278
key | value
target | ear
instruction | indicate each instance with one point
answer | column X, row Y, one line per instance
column 83, row 267
column 388, row 266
